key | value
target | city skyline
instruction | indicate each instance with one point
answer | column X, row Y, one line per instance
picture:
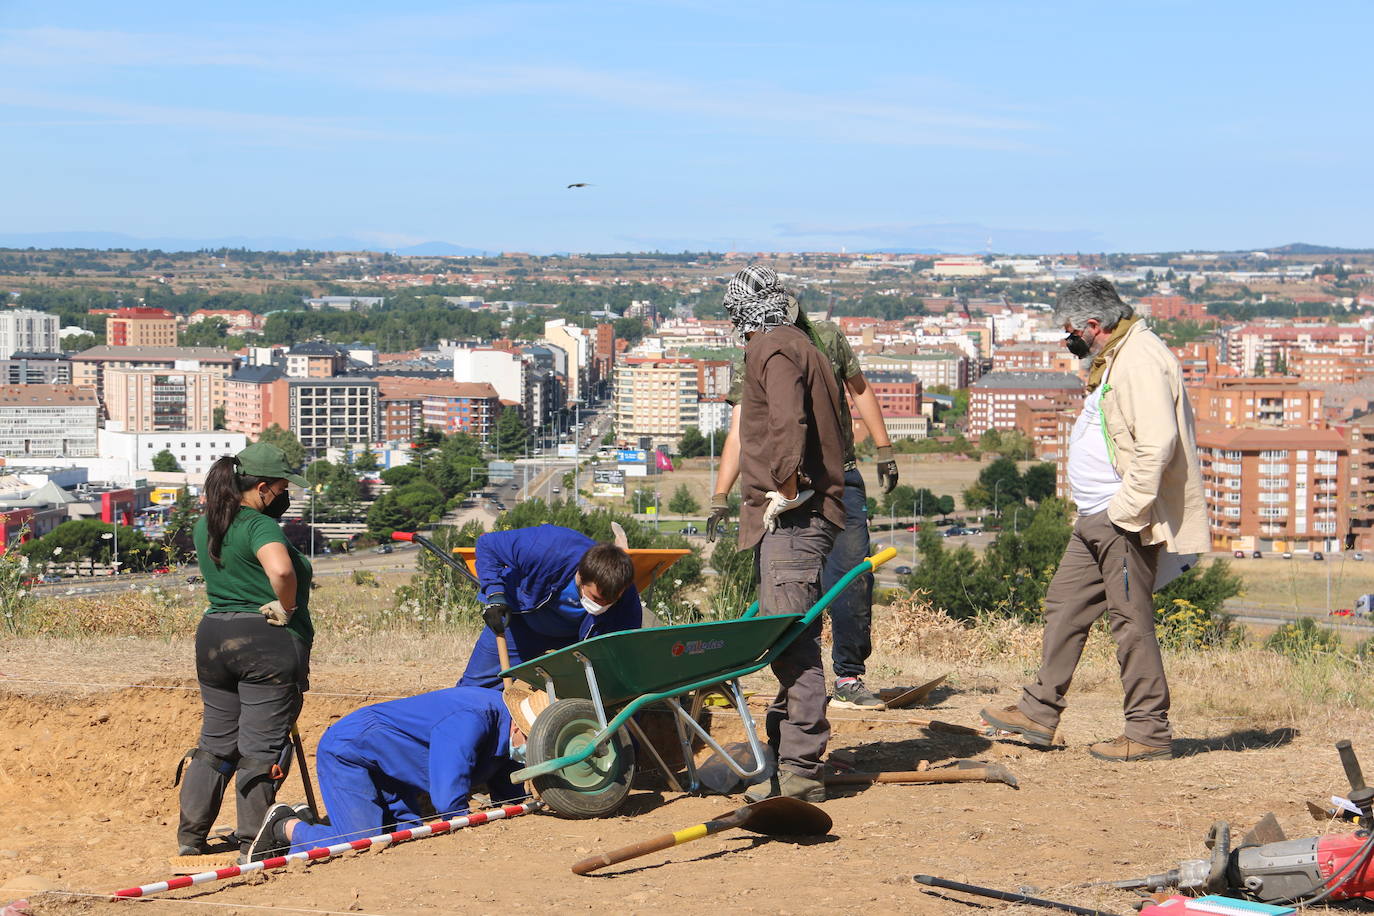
column 952, row 127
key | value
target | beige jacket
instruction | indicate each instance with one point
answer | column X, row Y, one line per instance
column 1149, row 420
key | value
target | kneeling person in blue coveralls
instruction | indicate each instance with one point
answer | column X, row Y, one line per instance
column 384, row 767
column 546, row 588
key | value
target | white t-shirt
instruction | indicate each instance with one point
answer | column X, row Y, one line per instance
column 1092, row 479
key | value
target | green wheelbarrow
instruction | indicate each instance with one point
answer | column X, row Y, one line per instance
column 579, row 756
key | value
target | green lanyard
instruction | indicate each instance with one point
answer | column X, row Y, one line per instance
column 1102, row 420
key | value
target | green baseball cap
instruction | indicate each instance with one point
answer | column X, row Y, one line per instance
column 263, row 459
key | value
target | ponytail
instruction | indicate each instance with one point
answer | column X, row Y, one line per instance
column 224, row 487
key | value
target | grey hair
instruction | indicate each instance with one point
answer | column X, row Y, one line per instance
column 1087, row 297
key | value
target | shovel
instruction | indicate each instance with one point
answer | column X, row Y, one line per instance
column 780, row 816
column 963, row 771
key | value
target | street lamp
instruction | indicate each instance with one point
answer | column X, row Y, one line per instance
column 1015, row 519
column 995, row 490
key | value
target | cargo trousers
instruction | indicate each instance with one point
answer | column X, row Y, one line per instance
column 790, row 561
column 1105, row 568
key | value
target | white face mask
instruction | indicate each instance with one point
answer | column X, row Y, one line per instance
column 591, row 607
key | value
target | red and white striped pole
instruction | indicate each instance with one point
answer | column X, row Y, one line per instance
column 434, row 828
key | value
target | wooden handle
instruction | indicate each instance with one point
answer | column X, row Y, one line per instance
column 666, row 841
column 305, row 771
column 865, row 779
column 936, row 725
column 503, row 655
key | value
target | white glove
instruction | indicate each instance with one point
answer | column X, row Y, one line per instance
column 778, row 504
column 276, row 613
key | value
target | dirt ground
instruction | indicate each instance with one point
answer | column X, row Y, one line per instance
column 87, row 806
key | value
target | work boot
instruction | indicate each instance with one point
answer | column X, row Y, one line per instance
column 1012, row 719
column 850, row 693
column 1123, row 750
column 271, row 839
column 793, row 785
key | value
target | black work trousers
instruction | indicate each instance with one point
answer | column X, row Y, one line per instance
column 251, row 675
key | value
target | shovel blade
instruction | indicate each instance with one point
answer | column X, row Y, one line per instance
column 783, row 816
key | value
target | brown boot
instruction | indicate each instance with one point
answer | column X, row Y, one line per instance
column 1012, row 719
column 1124, row 750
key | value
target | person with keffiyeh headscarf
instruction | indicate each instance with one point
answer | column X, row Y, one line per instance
column 792, row 477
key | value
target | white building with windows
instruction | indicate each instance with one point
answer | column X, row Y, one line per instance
column 48, row 421
column 194, row 451
column 28, row 331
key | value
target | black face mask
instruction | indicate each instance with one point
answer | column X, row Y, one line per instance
column 1077, row 345
column 278, row 506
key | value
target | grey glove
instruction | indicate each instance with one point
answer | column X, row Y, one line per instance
column 276, row 613
column 720, row 511
column 887, row 469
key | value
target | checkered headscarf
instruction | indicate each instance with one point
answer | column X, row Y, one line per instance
column 757, row 301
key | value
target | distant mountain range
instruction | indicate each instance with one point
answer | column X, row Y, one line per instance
column 1304, row 248
column 105, row 240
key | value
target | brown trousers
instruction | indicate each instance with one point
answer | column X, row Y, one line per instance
column 1104, row 568
column 790, row 563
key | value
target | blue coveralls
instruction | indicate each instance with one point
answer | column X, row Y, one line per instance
column 534, row 569
column 375, row 764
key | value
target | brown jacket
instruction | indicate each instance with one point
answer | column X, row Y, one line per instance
column 790, row 422
column 1154, row 448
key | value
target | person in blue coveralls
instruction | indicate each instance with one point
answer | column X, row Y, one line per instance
column 546, row 588
column 391, row 765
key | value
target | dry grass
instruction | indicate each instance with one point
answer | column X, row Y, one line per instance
column 1299, row 585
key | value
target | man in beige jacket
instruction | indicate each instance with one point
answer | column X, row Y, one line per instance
column 1133, row 470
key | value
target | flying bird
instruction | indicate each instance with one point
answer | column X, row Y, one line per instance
column 580, row 184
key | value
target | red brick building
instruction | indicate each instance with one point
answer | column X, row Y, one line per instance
column 141, row 327
column 993, row 398
column 1319, row 368
column 407, row 405
column 1173, row 308
column 1242, row 401
column 1038, row 419
column 1199, row 361
column 898, row 393
column 1034, row 357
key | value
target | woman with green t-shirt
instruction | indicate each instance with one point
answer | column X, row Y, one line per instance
column 252, row 645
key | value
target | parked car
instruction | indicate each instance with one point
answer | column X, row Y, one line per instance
column 956, row 531
column 903, row 570
column 382, row 548
column 914, row 528
column 194, row 580
column 1258, row 555
column 1238, row 554
column 1343, row 612
column 1359, row 556
column 556, row 490
column 689, row 529
column 1287, row 555
column 162, row 570
column 1318, row 555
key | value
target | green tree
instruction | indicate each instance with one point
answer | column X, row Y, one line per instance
column 219, row 417
column 319, row 472
column 401, row 475
column 75, row 343
column 342, row 495
column 998, row 484
column 365, row 461
column 405, row 508
column 285, row 440
column 511, row 436
column 1259, row 364
column 80, row 542
column 683, row 503
column 1280, row 364
column 165, row 462
column 692, row 444
column 1039, row 481
column 176, row 531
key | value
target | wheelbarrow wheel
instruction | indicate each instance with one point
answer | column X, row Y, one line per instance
column 592, row 788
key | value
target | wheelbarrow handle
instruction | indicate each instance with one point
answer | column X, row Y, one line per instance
column 868, row 564
column 438, row 551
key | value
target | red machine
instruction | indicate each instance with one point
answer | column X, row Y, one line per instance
column 1333, row 867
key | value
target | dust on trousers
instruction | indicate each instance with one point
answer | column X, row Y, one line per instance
column 251, row 676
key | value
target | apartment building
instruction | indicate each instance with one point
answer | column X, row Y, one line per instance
column 942, row 368
column 240, row 321
column 141, row 327
column 407, row 405
column 26, row 368
column 714, row 377
column 504, row 370
column 1317, row 368
column 993, row 398
column 1041, row 421
column 1198, row 361
column 1275, row 489
column 1034, row 357
column 316, row 359
column 1269, row 343
column 1172, row 308
column 158, row 400
column 1258, row 401
column 194, row 450
column 655, row 399
column 28, row 331
column 335, row 412
column 898, row 393
column 48, row 421
column 88, row 366
column 256, row 398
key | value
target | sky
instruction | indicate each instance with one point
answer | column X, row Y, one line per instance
column 959, row 126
